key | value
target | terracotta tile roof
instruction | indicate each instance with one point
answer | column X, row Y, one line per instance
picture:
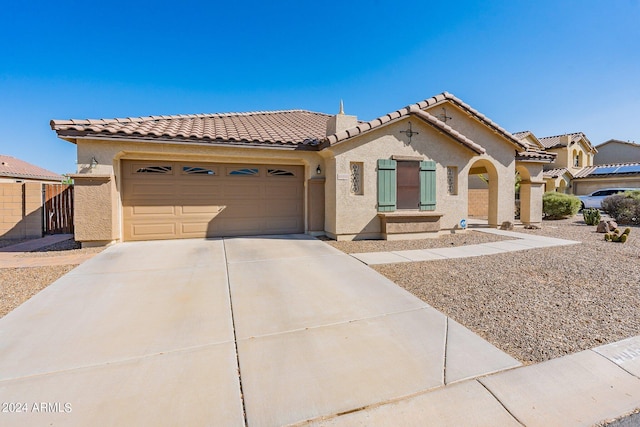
column 295, row 128
column 613, row 169
column 287, row 127
column 400, row 114
column 555, row 173
column 11, row 167
column 557, row 141
column 536, row 155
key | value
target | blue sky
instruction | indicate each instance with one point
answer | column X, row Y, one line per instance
column 551, row 67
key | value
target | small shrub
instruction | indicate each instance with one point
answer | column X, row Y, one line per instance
column 559, row 205
column 624, row 208
column 591, row 216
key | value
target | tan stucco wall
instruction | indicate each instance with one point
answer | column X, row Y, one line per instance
column 565, row 156
column 616, row 152
column 21, row 210
column 356, row 215
column 532, row 187
column 93, row 208
column 107, row 197
column 561, row 184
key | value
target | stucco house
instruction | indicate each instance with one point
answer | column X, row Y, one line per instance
column 16, row 170
column 401, row 175
column 615, row 151
column 573, row 151
column 616, row 175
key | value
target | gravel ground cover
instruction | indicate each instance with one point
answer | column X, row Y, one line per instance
column 445, row 240
column 67, row 247
column 17, row 285
column 537, row 304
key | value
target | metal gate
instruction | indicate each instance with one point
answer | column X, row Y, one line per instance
column 57, row 200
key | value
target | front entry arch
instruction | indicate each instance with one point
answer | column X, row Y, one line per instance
column 485, row 171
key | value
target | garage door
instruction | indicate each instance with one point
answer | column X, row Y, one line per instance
column 175, row 200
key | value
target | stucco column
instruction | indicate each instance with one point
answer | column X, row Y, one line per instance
column 531, row 202
column 93, row 209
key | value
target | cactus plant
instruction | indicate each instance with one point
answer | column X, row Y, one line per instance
column 616, row 236
column 591, row 216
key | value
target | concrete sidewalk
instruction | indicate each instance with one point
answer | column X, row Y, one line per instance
column 270, row 331
column 520, row 242
column 14, row 256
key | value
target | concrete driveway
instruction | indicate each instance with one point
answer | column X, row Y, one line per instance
column 259, row 331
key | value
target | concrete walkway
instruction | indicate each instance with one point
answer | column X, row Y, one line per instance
column 14, row 256
column 520, row 242
column 274, row 331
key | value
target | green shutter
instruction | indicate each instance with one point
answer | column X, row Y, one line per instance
column 428, row 186
column 386, row 185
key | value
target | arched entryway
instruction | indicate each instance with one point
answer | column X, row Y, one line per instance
column 483, row 192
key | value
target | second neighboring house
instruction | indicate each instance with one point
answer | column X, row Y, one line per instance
column 16, row 170
column 573, row 152
column 615, row 151
column 402, row 175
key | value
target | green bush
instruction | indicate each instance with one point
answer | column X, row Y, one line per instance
column 591, row 216
column 624, row 208
column 559, row 205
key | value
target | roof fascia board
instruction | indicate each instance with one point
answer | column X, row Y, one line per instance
column 199, row 144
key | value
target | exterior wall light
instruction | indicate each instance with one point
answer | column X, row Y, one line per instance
column 94, row 162
column 318, row 170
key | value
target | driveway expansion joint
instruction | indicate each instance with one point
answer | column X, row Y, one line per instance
column 116, row 361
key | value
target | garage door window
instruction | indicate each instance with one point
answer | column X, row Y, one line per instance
column 279, row 172
column 243, row 172
column 197, row 170
column 154, row 169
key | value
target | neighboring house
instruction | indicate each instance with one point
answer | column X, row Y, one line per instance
column 21, row 197
column 402, row 175
column 573, row 152
column 16, row 170
column 621, row 175
column 615, row 151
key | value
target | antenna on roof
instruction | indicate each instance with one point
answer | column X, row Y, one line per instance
column 341, row 107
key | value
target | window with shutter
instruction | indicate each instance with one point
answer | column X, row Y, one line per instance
column 428, row 186
column 386, row 185
column 406, row 185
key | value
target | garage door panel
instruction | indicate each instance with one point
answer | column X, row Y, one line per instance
column 149, row 190
column 150, row 230
column 283, row 209
column 200, row 190
column 190, row 209
column 283, row 225
column 195, row 229
column 242, row 190
column 284, row 190
column 179, row 204
column 150, row 209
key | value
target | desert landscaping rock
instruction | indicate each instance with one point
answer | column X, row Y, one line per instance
column 17, row 285
column 442, row 241
column 536, row 304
